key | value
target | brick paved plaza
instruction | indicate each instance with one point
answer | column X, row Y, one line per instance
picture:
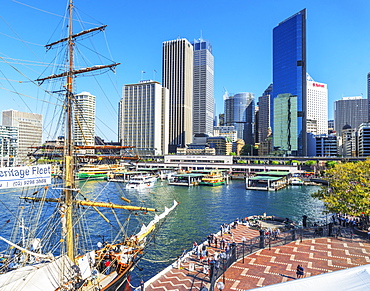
column 267, row 266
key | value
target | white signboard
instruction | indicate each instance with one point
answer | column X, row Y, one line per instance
column 15, row 177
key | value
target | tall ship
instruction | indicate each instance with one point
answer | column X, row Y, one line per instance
column 65, row 237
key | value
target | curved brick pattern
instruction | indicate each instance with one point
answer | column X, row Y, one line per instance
column 317, row 256
column 266, row 267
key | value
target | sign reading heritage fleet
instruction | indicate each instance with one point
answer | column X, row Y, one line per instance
column 15, row 177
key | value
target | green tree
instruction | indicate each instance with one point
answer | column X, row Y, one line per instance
column 310, row 163
column 348, row 190
column 330, row 164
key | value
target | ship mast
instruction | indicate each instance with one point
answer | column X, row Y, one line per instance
column 68, row 159
column 69, row 200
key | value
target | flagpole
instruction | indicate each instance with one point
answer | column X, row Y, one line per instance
column 154, row 72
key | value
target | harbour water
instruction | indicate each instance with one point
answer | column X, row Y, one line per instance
column 201, row 211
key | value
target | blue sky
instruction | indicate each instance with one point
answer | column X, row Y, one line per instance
column 338, row 45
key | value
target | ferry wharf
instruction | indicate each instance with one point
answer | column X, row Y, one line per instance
column 257, row 259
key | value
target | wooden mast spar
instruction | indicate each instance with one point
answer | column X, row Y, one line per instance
column 69, row 200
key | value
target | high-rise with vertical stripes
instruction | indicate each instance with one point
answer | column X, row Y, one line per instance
column 203, row 93
column 143, row 118
column 177, row 76
column 84, row 119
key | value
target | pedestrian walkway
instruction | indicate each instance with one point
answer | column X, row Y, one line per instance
column 267, row 266
column 278, row 264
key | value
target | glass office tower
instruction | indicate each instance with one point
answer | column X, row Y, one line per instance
column 289, row 69
column 239, row 112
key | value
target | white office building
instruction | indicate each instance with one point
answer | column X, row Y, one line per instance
column 143, row 118
column 177, row 74
column 317, row 107
column 84, row 119
column 29, row 132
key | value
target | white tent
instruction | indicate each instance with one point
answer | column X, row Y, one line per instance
column 352, row 279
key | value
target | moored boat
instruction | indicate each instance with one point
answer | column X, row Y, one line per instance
column 141, row 182
column 97, row 172
column 295, row 181
column 214, row 178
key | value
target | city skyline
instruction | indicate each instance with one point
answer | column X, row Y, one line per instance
column 336, row 46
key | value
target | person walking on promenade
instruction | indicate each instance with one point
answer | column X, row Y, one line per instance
column 338, row 232
column 195, row 248
column 300, row 271
column 222, row 244
column 209, row 239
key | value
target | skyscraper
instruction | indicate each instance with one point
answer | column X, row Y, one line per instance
column 178, row 78
column 317, row 106
column 143, row 118
column 350, row 110
column 264, row 122
column 203, row 92
column 285, row 124
column 84, row 119
column 289, row 69
column 368, row 92
column 239, row 112
column 29, row 131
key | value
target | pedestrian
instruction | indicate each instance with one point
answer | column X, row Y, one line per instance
column 222, row 244
column 107, row 266
column 338, row 232
column 300, row 271
column 215, row 242
column 277, row 232
column 220, row 286
column 209, row 239
column 195, row 248
column 141, row 285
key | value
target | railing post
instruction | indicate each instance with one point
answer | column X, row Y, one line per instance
column 243, row 240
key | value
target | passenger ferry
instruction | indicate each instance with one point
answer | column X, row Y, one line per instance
column 214, row 178
column 295, row 181
column 97, row 172
column 141, row 182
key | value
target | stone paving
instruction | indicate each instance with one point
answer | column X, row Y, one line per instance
column 266, row 266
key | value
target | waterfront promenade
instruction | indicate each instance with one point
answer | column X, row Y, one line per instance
column 267, row 266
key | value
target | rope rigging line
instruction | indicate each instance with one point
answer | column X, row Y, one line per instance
column 51, row 13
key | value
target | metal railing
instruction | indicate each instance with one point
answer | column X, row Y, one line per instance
column 240, row 250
